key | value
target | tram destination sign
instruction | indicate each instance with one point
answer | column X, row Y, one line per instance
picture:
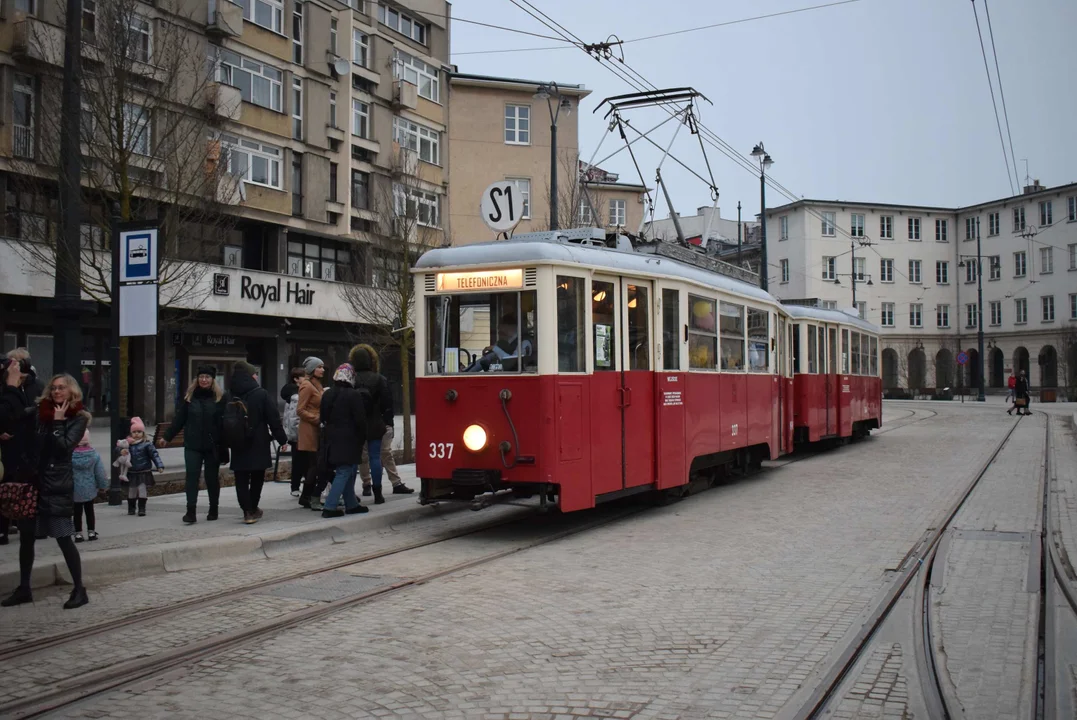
column 481, row 280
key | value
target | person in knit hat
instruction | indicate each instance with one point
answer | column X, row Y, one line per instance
column 379, row 423
column 144, row 459
column 305, row 460
column 90, row 479
column 343, row 414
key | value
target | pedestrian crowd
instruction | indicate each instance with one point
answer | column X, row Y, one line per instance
column 50, row 475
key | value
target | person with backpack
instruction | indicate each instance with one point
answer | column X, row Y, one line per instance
column 290, row 394
column 364, row 359
column 250, row 418
column 388, row 462
column 343, row 427
column 309, row 411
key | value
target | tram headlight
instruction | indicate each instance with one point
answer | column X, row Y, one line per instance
column 475, row 438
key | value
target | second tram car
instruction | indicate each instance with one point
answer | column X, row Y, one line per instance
column 584, row 373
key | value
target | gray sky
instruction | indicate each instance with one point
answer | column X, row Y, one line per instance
column 877, row 100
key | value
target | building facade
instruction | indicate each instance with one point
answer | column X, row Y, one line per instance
column 735, row 242
column 322, row 127
column 915, row 274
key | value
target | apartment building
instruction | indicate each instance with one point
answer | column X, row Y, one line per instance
column 606, row 202
column 322, row 126
column 916, row 277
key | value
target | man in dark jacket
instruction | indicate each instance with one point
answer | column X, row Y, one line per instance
column 343, row 419
column 379, row 414
column 251, row 460
column 1020, row 392
column 17, row 424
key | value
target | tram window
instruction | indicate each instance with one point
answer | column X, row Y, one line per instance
column 528, row 330
column 702, row 334
column 874, row 357
column 671, row 329
column 796, row 348
column 832, row 350
column 605, row 327
column 639, row 327
column 813, row 352
column 732, row 335
column 865, row 355
column 845, row 352
column 758, row 340
column 570, row 324
column 855, row 352
column 481, row 332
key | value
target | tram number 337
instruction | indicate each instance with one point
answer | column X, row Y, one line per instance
column 441, row 451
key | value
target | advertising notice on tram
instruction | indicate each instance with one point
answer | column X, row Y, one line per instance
column 603, row 334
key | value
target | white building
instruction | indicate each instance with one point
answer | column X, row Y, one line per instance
column 915, row 277
column 722, row 232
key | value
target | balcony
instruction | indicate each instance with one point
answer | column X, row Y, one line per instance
column 22, row 141
column 225, row 19
column 37, row 40
column 224, row 101
column 230, row 189
column 405, row 95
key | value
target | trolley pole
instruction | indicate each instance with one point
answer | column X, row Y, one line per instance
column 980, row 396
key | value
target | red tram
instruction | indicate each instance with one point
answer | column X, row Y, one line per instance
column 585, row 373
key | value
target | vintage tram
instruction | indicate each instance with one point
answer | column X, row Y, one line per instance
column 565, row 368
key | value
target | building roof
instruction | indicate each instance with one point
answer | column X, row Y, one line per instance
column 615, row 185
column 518, row 84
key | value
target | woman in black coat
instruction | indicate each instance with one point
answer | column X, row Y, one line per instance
column 61, row 423
column 343, row 415
column 379, row 413
column 250, row 462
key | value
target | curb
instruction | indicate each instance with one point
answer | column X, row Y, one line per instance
column 126, row 563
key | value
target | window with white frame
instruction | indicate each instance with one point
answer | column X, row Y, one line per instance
column 415, row 71
column 267, row 13
column 785, row 271
column 89, row 18
column 941, row 227
column 996, row 267
column 297, row 108
column 523, row 187
column 970, row 228
column 886, row 270
column 584, row 215
column 914, row 271
column 830, row 304
column 419, row 139
column 996, row 312
column 783, row 228
column 1047, row 260
column 830, row 268
column 970, row 271
column 972, row 317
column 257, row 82
column 333, row 36
column 252, row 161
column 862, row 309
column 332, row 109
column 916, row 315
column 994, row 223
column 828, row 224
column 1073, row 256
column 1020, row 264
column 886, row 315
column 942, row 316
column 360, row 48
column 1046, row 213
column 1073, row 306
column 914, row 229
column 136, row 129
column 297, row 33
column 942, row 272
column 1047, row 304
column 517, row 124
column 860, row 268
column 1020, row 311
column 139, row 40
column 24, row 116
column 360, row 118
column 1072, row 203
column 412, row 203
column 1018, row 219
column 886, row 227
column 617, row 213
column 403, row 24
column 856, row 224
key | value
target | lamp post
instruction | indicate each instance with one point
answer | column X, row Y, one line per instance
column 980, row 396
column 852, row 275
column 556, row 102
column 764, row 164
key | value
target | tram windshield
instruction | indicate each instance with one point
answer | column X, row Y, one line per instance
column 482, row 333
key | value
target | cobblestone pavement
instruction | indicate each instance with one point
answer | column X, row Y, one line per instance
column 1064, row 494
column 720, row 606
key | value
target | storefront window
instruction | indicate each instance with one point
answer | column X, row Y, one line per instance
column 488, row 332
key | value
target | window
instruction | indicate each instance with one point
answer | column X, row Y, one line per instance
column 996, row 267
column 1073, row 306
column 89, row 17
column 862, row 309
column 671, row 329
column 415, row 71
column 333, row 196
column 886, row 227
column 297, row 184
column 830, row 271
column 360, row 118
column 1046, row 213
column 23, row 116
column 1048, row 305
column 916, row 315
column 360, row 48
column 333, row 36
column 332, row 109
column 783, row 228
column 254, row 162
column 523, row 186
column 813, row 349
column 830, row 304
column 1020, row 311
column 360, row 194
column 321, row 259
column 886, row 318
column 859, row 268
column 914, row 271
column 571, row 324
column 297, row 108
column 856, row 224
column 972, row 317
column 942, row 316
column 419, row 139
column 1073, row 256
column 828, row 224
column 586, row 217
column 1018, row 219
column 914, row 229
column 994, row 223
column 996, row 312
column 886, row 270
column 1020, row 260
column 28, row 7
column 731, row 321
column 136, row 129
column 1047, row 260
column 267, row 13
column 1072, row 203
column 758, row 340
column 138, row 39
column 942, row 272
column 617, row 213
column 258, row 83
column 297, row 33
column 970, row 271
column 402, row 23
column 940, row 231
column 970, row 228
column 417, row 204
column 92, row 237
column 854, row 352
column 702, row 334
column 517, row 124
column 785, row 271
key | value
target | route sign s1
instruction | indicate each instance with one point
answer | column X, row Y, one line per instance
column 502, row 206
column 962, row 358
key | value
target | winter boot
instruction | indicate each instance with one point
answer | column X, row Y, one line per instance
column 190, row 518
column 378, row 498
column 131, row 507
column 212, row 514
column 141, row 507
column 18, row 597
column 78, row 599
column 402, row 489
column 366, row 491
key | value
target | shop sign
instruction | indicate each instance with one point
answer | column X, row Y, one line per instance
column 481, row 280
column 220, row 283
column 293, row 292
column 213, row 340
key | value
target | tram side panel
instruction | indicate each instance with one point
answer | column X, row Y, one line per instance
column 734, row 402
column 605, row 433
column 809, row 394
column 574, row 461
column 639, row 428
column 761, row 411
column 704, row 415
column 789, row 413
column 671, row 451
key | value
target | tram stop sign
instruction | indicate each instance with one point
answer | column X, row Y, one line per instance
column 962, row 358
column 502, row 206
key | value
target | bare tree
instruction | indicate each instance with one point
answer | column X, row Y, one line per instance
column 382, row 298
column 577, row 205
column 1067, row 362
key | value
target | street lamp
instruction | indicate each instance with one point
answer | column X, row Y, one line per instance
column 764, row 164
column 556, row 102
column 853, row 275
column 980, row 396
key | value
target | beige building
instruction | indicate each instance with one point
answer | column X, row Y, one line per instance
column 605, row 202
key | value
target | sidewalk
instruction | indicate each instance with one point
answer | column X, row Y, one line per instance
column 160, row 542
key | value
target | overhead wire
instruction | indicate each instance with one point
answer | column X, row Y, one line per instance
column 994, row 103
column 1001, row 92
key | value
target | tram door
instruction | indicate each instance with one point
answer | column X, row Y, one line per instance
column 607, row 421
column 637, row 382
column 833, row 382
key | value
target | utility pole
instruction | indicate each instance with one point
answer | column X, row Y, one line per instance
column 738, row 233
column 115, row 412
column 765, row 162
column 560, row 102
column 852, row 251
column 980, row 396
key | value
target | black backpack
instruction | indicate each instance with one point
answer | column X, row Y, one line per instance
column 236, row 430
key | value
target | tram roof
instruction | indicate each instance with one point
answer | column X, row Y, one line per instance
column 560, row 253
column 830, row 316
